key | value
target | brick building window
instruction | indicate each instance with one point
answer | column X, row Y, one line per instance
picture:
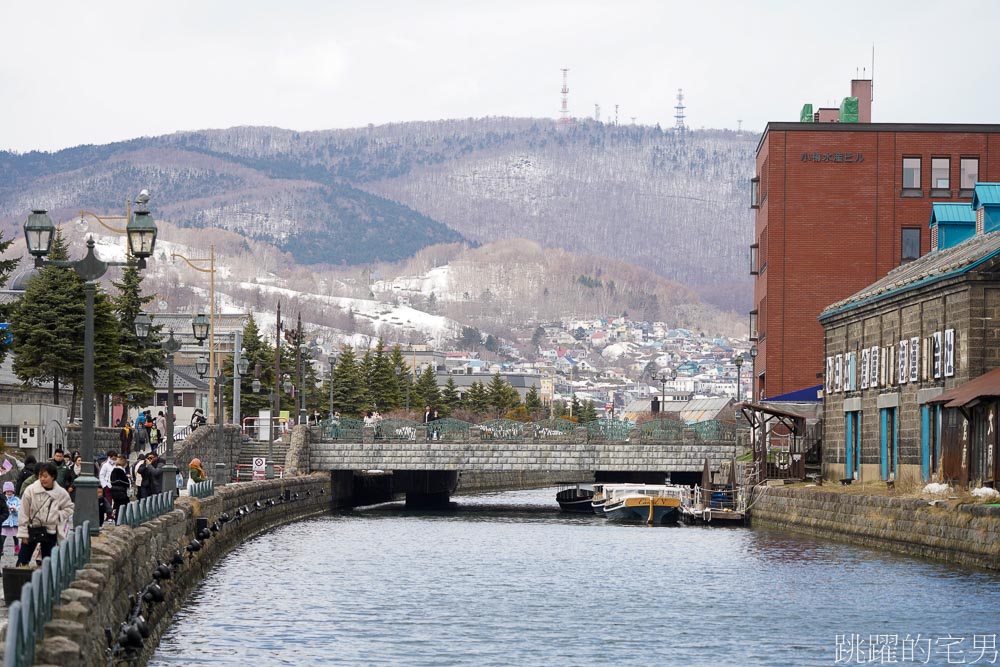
column 911, row 177
column 911, row 244
column 755, row 192
column 940, row 177
column 754, row 258
column 753, row 325
column 968, row 174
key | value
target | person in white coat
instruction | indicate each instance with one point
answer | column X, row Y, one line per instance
column 45, row 509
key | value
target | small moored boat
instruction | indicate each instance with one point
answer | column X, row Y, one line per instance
column 653, row 503
column 575, row 499
column 603, row 492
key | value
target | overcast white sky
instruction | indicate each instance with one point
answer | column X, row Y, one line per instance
column 106, row 70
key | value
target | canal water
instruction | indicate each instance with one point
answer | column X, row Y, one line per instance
column 505, row 579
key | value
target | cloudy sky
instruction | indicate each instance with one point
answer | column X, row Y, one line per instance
column 95, row 72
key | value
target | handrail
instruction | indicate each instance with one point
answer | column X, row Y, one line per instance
column 140, row 511
column 27, row 617
column 279, row 471
column 202, row 489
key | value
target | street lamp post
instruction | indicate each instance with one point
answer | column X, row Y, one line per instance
column 193, row 263
column 39, row 232
column 738, row 360
column 333, row 364
column 170, row 346
column 753, row 373
column 662, row 377
column 275, row 398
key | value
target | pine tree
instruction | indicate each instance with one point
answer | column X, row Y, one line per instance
column 450, row 399
column 532, row 401
column 575, row 408
column 349, row 396
column 477, row 400
column 260, row 365
column 140, row 359
column 6, row 267
column 47, row 324
column 426, row 388
column 366, row 368
column 499, row 395
column 384, row 389
column 587, row 412
column 404, row 378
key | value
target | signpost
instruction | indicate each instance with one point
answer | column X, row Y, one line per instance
column 259, row 465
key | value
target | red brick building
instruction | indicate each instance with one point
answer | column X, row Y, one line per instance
column 837, row 206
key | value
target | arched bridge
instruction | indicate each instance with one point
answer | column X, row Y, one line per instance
column 427, row 457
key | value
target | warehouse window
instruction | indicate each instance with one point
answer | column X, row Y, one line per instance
column 911, row 244
column 940, row 177
column 911, row 176
column 968, row 175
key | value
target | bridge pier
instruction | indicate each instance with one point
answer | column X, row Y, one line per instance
column 342, row 488
column 425, row 489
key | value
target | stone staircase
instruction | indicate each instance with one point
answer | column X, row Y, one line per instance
column 254, row 448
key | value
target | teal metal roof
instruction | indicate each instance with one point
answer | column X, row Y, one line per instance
column 986, row 194
column 944, row 213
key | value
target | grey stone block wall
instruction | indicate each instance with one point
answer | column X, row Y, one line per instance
column 124, row 558
column 496, row 455
column 967, row 535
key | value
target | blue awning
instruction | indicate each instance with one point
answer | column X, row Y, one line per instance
column 799, row 395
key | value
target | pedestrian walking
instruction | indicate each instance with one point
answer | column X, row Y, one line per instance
column 45, row 509
column 120, row 484
column 151, row 470
column 9, row 526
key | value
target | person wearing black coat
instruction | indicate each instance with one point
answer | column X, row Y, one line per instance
column 151, row 471
column 120, row 484
column 28, row 471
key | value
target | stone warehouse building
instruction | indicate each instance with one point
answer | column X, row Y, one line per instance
column 909, row 394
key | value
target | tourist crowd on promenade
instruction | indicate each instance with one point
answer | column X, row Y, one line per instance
column 37, row 512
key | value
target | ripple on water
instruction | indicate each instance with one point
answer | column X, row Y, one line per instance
column 505, row 580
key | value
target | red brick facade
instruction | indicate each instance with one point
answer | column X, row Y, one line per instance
column 832, row 209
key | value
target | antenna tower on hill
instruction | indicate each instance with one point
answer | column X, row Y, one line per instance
column 564, row 111
column 679, row 109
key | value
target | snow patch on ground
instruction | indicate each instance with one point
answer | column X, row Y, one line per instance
column 934, row 487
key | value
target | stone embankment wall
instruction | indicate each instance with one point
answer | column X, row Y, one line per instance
column 965, row 534
column 123, row 560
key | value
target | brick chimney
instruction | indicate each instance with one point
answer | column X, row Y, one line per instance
column 862, row 89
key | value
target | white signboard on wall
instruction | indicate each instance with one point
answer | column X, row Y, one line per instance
column 949, row 353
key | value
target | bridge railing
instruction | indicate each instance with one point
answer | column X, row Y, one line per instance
column 448, row 430
column 202, row 489
column 549, row 430
column 661, row 430
column 27, row 617
column 500, row 429
column 342, row 428
column 608, row 430
column 714, row 430
column 557, row 430
column 396, row 429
